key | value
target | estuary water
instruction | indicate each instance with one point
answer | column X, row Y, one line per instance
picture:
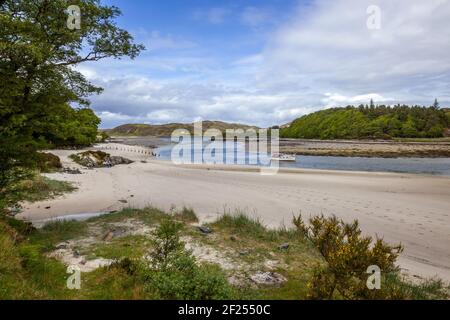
column 434, row 166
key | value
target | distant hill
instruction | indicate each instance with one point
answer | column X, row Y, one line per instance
column 165, row 130
column 371, row 122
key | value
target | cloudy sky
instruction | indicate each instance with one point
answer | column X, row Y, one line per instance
column 267, row 62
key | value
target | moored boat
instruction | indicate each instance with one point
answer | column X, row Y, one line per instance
column 283, row 157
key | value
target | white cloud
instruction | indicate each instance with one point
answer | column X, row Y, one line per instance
column 338, row 100
column 156, row 41
column 213, row 15
column 331, row 44
column 323, row 56
column 254, row 17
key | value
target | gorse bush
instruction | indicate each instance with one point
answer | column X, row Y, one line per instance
column 348, row 255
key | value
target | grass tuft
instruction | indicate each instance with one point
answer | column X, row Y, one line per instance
column 186, row 215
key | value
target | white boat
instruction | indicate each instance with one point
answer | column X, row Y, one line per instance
column 283, row 157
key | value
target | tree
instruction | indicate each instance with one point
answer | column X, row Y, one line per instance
column 380, row 122
column 37, row 55
column 436, row 104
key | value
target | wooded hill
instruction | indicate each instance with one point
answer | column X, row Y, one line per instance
column 371, row 122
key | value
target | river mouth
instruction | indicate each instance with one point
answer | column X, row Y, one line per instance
column 432, row 166
column 163, row 148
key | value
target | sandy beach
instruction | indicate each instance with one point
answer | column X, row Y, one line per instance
column 406, row 208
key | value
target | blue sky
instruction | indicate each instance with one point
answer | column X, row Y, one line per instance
column 268, row 62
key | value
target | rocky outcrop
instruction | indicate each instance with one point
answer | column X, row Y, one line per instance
column 98, row 159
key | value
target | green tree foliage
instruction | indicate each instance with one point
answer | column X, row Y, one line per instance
column 370, row 122
column 348, row 255
column 39, row 83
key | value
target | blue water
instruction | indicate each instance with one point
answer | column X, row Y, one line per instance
column 435, row 166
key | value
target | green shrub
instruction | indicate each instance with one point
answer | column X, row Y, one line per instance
column 348, row 255
column 172, row 272
column 48, row 162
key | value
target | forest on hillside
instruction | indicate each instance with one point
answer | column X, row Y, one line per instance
column 371, row 122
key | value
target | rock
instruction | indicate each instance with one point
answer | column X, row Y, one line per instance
column 108, row 236
column 72, row 171
column 123, row 201
column 115, row 160
column 268, row 278
column 238, row 281
column 205, row 230
column 47, row 207
column 271, row 264
column 76, row 254
column 98, row 159
column 14, row 211
column 119, row 231
column 62, row 245
column 284, row 246
column 116, row 232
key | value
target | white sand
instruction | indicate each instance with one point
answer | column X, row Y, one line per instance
column 411, row 209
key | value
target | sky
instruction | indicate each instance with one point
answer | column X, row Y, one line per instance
column 267, row 62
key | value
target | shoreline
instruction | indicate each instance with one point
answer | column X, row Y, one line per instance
column 367, row 148
column 407, row 208
column 438, row 148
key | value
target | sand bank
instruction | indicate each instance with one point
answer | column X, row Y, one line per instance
column 411, row 209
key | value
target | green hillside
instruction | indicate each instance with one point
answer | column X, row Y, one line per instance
column 371, row 122
column 165, row 130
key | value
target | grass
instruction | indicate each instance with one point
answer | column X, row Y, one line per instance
column 430, row 289
column 26, row 272
column 132, row 247
column 56, row 232
column 186, row 215
column 41, row 188
column 149, row 216
column 240, row 233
